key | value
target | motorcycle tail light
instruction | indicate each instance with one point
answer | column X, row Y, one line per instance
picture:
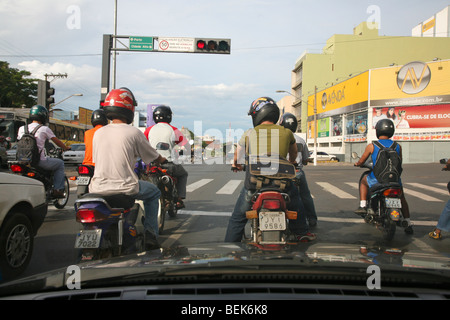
column 16, row 168
column 31, row 174
column 90, row 216
column 396, row 193
column 271, row 204
column 82, row 169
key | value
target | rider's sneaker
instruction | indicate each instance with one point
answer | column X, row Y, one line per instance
column 307, row 237
column 434, row 235
column 361, row 211
column 180, row 204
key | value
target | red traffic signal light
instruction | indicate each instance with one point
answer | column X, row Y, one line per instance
column 201, row 45
column 213, row 45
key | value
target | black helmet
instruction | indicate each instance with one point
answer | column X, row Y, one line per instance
column 39, row 113
column 99, row 118
column 264, row 109
column 385, row 127
column 162, row 114
column 289, row 121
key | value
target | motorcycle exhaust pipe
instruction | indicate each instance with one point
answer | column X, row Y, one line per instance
column 165, row 180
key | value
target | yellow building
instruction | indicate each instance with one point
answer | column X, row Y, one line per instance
column 346, row 55
column 415, row 96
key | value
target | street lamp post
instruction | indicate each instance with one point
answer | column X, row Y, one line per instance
column 73, row 95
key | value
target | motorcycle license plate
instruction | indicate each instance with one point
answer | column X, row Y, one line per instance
column 83, row 181
column 393, row 203
column 88, row 239
column 272, row 221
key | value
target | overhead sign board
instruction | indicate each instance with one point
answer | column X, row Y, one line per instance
column 176, row 44
column 141, row 43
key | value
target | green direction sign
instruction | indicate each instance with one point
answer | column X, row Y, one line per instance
column 141, row 43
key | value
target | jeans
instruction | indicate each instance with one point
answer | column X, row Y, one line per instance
column 57, row 167
column 238, row 219
column 306, row 197
column 444, row 219
column 180, row 174
column 149, row 194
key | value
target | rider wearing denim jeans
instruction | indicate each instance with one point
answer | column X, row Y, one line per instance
column 266, row 137
column 116, row 148
column 39, row 116
column 289, row 121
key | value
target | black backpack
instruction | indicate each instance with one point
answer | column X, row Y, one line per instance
column 388, row 165
column 27, row 148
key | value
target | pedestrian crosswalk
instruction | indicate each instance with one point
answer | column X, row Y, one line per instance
column 436, row 192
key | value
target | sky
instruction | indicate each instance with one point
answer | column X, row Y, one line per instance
column 208, row 93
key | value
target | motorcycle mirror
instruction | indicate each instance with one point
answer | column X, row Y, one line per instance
column 355, row 155
column 443, row 161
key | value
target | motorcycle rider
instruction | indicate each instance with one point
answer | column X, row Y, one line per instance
column 115, row 150
column 265, row 114
column 384, row 130
column 444, row 219
column 39, row 116
column 289, row 121
column 163, row 137
column 98, row 120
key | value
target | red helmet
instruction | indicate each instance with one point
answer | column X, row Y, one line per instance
column 120, row 103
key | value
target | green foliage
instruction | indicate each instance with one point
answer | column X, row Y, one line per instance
column 16, row 88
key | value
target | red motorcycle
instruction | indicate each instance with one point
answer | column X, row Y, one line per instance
column 269, row 217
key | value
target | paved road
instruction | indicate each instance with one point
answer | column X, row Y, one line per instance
column 212, row 192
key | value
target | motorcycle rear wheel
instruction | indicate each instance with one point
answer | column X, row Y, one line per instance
column 61, row 203
column 388, row 229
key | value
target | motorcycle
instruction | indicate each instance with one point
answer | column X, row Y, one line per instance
column 166, row 183
column 269, row 217
column 85, row 174
column 384, row 207
column 24, row 168
column 112, row 226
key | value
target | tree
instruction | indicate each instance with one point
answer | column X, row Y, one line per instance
column 16, row 88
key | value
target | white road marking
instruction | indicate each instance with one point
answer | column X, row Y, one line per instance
column 194, row 186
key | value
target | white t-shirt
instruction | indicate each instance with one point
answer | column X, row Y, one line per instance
column 41, row 135
column 163, row 132
column 116, row 148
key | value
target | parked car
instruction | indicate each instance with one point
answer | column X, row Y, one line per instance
column 322, row 156
column 22, row 211
column 75, row 155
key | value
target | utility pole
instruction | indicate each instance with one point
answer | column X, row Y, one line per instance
column 315, row 125
column 114, row 46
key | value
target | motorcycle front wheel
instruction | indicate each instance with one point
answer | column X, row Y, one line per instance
column 161, row 215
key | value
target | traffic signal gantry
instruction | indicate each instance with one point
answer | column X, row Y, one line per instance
column 158, row 44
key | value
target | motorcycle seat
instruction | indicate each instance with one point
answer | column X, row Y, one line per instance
column 119, row 200
column 381, row 186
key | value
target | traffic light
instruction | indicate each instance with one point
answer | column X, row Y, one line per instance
column 45, row 94
column 212, row 45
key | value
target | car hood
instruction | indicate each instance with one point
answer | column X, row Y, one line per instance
column 9, row 178
column 222, row 262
